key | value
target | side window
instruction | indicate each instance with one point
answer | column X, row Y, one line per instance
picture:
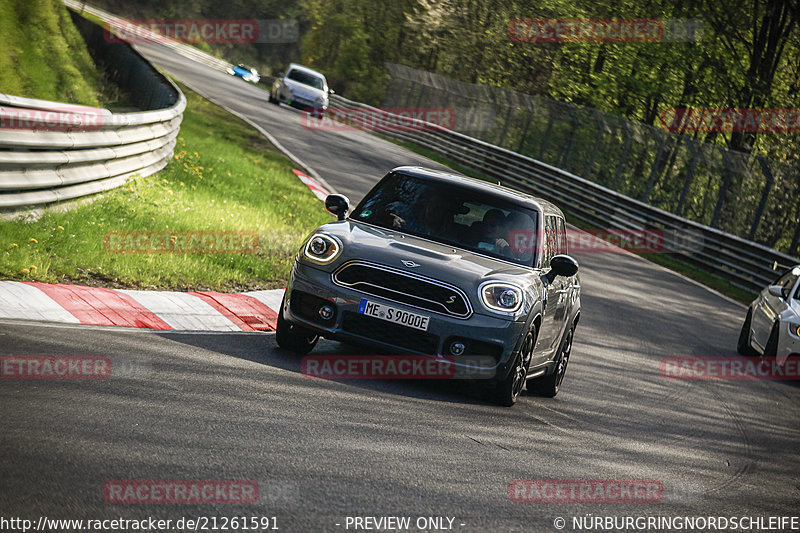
column 550, row 240
column 562, row 237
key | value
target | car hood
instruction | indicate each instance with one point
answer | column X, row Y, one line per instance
column 305, row 91
column 453, row 265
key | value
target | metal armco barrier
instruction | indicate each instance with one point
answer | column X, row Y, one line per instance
column 51, row 151
column 745, row 264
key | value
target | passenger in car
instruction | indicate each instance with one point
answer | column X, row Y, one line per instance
column 521, row 236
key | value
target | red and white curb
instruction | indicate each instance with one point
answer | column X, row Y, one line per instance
column 315, row 186
column 183, row 311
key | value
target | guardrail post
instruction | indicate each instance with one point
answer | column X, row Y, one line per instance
column 723, row 191
column 689, row 176
column 764, row 196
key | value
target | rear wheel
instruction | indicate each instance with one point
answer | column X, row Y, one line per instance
column 294, row 338
column 743, row 346
column 550, row 384
column 508, row 390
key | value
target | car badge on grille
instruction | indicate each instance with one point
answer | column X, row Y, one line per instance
column 410, row 264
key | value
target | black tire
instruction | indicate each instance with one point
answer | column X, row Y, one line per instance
column 508, row 389
column 743, row 345
column 549, row 384
column 771, row 349
column 294, row 338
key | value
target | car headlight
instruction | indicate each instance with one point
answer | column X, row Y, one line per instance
column 502, row 297
column 794, row 329
column 321, row 248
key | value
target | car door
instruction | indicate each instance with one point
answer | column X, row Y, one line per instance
column 551, row 293
column 769, row 307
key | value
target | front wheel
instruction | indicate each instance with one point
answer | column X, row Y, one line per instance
column 549, row 385
column 294, row 338
column 771, row 349
column 743, row 346
column 508, row 390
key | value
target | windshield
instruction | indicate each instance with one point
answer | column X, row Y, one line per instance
column 452, row 215
column 306, row 79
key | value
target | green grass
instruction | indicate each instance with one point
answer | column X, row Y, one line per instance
column 709, row 280
column 42, row 54
column 224, row 177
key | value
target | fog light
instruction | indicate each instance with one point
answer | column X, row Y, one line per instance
column 457, row 348
column 326, row 312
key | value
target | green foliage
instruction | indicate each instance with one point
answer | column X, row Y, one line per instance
column 43, row 55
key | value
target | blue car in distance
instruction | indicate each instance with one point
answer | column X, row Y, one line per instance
column 246, row 73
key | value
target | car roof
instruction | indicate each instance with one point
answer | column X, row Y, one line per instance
column 507, row 193
column 295, row 66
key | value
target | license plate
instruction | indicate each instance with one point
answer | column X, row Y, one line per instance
column 394, row 315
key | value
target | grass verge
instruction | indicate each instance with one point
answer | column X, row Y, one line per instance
column 709, row 280
column 43, row 54
column 223, row 177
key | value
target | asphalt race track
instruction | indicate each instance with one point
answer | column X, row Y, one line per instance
column 187, row 406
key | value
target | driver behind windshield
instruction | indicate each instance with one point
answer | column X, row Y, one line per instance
column 492, row 233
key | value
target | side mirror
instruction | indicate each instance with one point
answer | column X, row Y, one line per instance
column 331, row 91
column 562, row 265
column 338, row 204
column 776, row 290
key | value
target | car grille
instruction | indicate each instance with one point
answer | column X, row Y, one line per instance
column 375, row 329
column 396, row 285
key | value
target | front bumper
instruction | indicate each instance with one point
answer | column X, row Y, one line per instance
column 307, row 105
column 491, row 340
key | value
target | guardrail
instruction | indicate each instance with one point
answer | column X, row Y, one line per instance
column 744, row 263
column 50, row 151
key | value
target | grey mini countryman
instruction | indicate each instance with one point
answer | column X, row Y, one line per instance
column 437, row 264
